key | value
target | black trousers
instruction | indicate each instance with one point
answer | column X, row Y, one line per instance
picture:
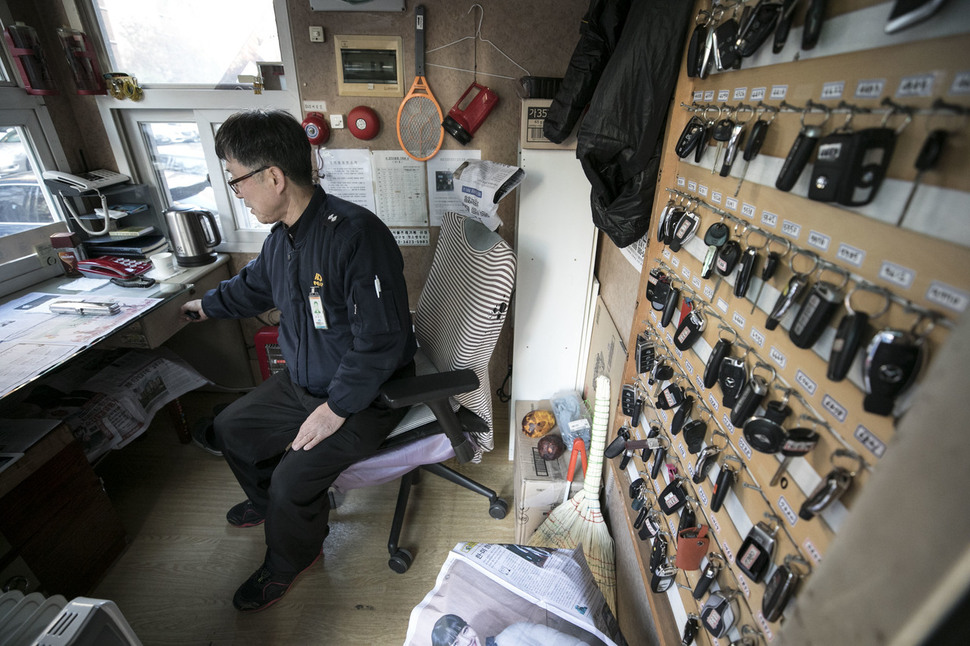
column 290, row 487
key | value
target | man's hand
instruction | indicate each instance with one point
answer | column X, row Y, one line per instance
column 192, row 311
column 321, row 424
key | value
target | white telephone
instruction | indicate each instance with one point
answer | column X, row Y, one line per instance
column 90, row 181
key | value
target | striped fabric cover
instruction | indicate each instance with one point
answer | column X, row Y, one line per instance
column 462, row 308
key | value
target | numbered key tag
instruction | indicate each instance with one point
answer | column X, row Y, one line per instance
column 689, row 330
column 672, row 498
column 718, row 615
column 670, row 397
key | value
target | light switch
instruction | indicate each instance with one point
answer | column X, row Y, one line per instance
column 316, row 34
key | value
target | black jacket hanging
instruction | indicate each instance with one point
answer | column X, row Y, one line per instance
column 620, row 138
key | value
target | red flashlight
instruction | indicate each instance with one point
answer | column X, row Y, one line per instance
column 467, row 115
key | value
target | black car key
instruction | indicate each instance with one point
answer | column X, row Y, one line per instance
column 644, row 354
column 690, row 137
column 618, row 445
column 852, row 329
column 725, row 480
column 800, row 152
column 754, row 556
column 716, row 235
column 662, row 222
column 662, row 578
column 637, row 487
column 728, row 257
column 721, row 134
column 733, row 146
column 712, row 368
column 725, row 43
column 833, row 485
column 779, row 589
column 661, row 372
column 628, row 399
column 784, row 26
column 812, row 28
column 732, row 376
column 758, row 26
column 659, row 458
column 796, row 288
column 772, row 260
column 670, row 305
column 749, row 259
column 929, row 155
column 689, row 330
column 715, row 562
column 682, row 415
column 691, row 627
column 660, row 292
column 672, row 498
column 765, row 433
column 851, row 166
column 893, row 360
column 670, row 397
column 816, row 312
column 694, row 433
column 695, row 46
column 705, row 462
column 652, row 279
column 684, row 230
column 798, row 442
column 752, row 147
column 688, row 518
column 750, row 398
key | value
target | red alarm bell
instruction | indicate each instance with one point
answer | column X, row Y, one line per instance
column 363, row 122
column 317, row 130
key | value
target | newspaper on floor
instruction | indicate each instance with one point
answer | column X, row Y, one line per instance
column 482, row 184
column 109, row 398
column 514, row 594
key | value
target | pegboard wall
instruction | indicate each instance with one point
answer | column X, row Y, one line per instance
column 873, row 227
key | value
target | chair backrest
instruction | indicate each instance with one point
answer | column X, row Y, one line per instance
column 463, row 306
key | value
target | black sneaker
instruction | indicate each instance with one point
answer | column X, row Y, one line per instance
column 264, row 588
column 203, row 435
column 244, row 515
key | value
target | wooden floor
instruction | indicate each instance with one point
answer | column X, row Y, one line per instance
column 175, row 581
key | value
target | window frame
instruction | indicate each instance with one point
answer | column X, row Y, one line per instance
column 208, row 108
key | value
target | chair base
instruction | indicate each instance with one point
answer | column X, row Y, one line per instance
column 401, row 559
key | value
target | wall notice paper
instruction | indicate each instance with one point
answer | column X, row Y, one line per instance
column 402, row 194
column 442, row 195
column 513, row 594
column 347, row 174
column 482, row 184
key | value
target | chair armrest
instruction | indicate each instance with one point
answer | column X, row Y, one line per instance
column 421, row 389
column 435, row 391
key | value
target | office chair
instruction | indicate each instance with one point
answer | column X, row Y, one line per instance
column 457, row 321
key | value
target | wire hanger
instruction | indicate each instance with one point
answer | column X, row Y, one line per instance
column 477, row 37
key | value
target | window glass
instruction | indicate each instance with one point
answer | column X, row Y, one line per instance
column 23, row 203
column 187, row 42
column 179, row 162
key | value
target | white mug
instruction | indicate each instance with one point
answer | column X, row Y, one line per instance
column 164, row 264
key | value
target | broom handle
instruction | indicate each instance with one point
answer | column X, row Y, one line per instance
column 597, row 444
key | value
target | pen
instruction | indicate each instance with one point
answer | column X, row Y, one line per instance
column 377, row 285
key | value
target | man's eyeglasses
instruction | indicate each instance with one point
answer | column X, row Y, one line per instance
column 233, row 182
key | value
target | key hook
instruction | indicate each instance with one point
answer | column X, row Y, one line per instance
column 811, row 106
column 786, row 241
column 733, row 458
column 761, row 364
column 795, row 558
column 742, row 107
column 874, row 289
column 748, row 632
column 715, row 433
column 809, row 254
column 786, row 394
column 769, row 109
column 896, row 108
column 728, row 329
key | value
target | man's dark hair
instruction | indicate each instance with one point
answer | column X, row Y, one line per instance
column 446, row 630
column 256, row 138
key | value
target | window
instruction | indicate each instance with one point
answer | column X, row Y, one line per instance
column 172, row 42
column 167, row 139
column 23, row 204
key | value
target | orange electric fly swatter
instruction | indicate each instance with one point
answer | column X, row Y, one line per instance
column 419, row 128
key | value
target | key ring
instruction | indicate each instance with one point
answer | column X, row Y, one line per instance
column 765, row 108
column 747, row 238
column 795, row 558
column 835, row 269
column 811, row 106
column 897, row 109
column 744, row 108
column 733, row 458
column 802, row 252
column 874, row 289
column 761, row 364
column 728, row 329
column 852, row 455
column 773, row 238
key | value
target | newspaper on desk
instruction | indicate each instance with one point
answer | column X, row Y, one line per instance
column 514, row 594
column 482, row 184
column 109, row 398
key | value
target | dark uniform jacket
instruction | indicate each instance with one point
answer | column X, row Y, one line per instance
column 345, row 254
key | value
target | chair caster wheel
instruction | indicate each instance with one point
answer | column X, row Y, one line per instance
column 498, row 509
column 400, row 561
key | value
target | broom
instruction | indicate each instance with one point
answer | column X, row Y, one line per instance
column 579, row 521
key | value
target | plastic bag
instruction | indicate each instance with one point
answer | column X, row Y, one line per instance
column 572, row 418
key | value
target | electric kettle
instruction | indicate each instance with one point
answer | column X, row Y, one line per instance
column 194, row 234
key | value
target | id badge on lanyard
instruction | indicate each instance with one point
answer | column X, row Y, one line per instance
column 316, row 310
